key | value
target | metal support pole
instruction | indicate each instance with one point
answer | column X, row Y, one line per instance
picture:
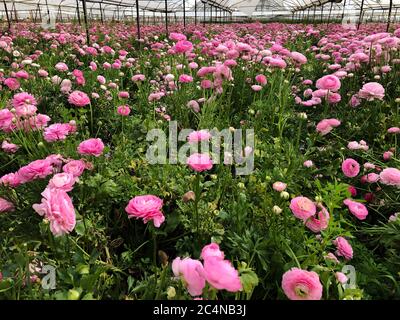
column 86, row 22
column 330, row 11
column 184, row 15
column 204, row 15
column 195, row 12
column 211, row 14
column 166, row 16
column 360, row 16
column 8, row 17
column 101, row 13
column 137, row 19
column 389, row 15
column 315, row 8
column 77, row 12
column 344, row 6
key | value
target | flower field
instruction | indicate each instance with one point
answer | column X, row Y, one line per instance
column 218, row 162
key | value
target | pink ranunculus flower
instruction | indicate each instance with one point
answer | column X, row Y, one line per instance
column 57, row 207
column 359, row 210
column 302, row 208
column 64, row 181
column 261, row 79
column 124, row 110
column 6, row 120
column 175, row 36
column 319, row 221
column 183, row 46
column 341, row 277
column 298, row 57
column 6, row 206
column 79, row 98
column 331, row 257
column 147, row 207
column 185, row 78
column 308, row 163
column 298, row 284
column 371, row 91
column 37, row 169
column 350, row 167
column 75, row 167
column 9, row 147
column 390, row 177
column 192, row 273
column 256, row 87
column 58, row 131
column 279, row 186
column 93, row 146
column 194, row 105
column 387, row 155
column 211, row 250
column 221, row 275
column 326, row 125
column 199, row 162
column 24, row 104
column 329, row 82
column 123, row 94
column 61, row 66
column 393, row 130
column 12, row 83
column 10, row 180
column 201, row 135
column 352, row 190
column 343, row 248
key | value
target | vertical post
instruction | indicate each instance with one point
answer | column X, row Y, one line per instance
column 204, row 15
column 8, row 17
column 211, row 14
column 166, row 17
column 184, row 15
column 137, row 19
column 322, row 13
column 195, row 12
column 344, row 7
column 101, row 13
column 315, row 8
column 308, row 15
column 77, row 12
column 360, row 16
column 389, row 15
column 330, row 11
column 86, row 22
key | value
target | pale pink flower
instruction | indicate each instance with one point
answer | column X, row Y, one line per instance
column 302, row 207
column 341, row 277
column 359, row 210
column 57, row 207
column 146, row 207
column 371, row 91
column 308, row 163
column 37, row 169
column 298, row 284
column 78, row 98
column 64, row 181
column 279, row 186
column 390, row 177
column 350, row 167
column 319, row 221
column 124, row 110
column 93, row 146
column 201, row 135
column 211, row 250
column 74, row 167
column 343, row 247
column 199, row 162
column 329, row 82
column 9, row 147
column 192, row 273
column 221, row 275
column 6, row 206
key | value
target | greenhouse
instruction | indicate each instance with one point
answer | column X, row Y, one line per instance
column 199, row 150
